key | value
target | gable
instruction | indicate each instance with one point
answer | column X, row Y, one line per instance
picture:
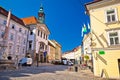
column 43, row 27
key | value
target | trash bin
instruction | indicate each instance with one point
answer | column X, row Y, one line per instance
column 76, row 69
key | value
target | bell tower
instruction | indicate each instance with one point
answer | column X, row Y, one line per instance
column 41, row 15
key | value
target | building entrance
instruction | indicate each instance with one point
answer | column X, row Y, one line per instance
column 119, row 66
column 41, row 58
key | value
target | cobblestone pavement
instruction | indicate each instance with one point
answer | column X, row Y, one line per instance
column 46, row 72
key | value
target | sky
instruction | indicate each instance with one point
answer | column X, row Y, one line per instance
column 64, row 18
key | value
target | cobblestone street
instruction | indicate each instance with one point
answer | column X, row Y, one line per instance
column 46, row 72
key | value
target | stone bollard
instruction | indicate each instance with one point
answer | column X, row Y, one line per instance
column 76, row 69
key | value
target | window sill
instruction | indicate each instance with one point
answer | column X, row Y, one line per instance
column 114, row 22
column 114, row 46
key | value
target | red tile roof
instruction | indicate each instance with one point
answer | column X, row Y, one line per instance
column 30, row 20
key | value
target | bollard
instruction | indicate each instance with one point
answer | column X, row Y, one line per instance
column 76, row 69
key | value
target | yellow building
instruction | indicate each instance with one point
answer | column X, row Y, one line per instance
column 105, row 32
column 58, row 53
column 54, row 51
column 51, row 53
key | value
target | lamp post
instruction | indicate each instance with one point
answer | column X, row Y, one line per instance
column 37, row 59
column 17, row 61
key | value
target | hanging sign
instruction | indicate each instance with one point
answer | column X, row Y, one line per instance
column 101, row 52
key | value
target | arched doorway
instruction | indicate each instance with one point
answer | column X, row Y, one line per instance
column 41, row 58
column 119, row 66
column 42, row 52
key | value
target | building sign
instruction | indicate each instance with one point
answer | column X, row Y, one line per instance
column 45, row 53
column 101, row 52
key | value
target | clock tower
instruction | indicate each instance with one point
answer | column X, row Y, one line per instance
column 41, row 15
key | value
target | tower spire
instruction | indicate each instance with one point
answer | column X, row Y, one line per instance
column 41, row 14
column 41, row 8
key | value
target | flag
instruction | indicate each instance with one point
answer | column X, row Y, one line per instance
column 89, row 26
column 45, row 53
column 83, row 30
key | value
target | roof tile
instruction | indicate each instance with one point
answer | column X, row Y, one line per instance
column 30, row 20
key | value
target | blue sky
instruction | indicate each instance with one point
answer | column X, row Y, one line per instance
column 64, row 18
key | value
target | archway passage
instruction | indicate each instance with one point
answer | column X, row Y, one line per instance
column 41, row 58
column 119, row 66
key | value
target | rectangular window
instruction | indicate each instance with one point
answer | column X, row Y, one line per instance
column 11, row 37
column 46, row 47
column 41, row 34
column 18, row 40
column 4, row 22
column 2, row 34
column 41, row 46
column 24, row 41
column 23, row 50
column 46, row 37
column 114, row 38
column 17, row 50
column 31, row 33
column 38, row 32
column 30, row 45
column 111, row 15
column 25, row 31
column 10, row 49
column 20, row 29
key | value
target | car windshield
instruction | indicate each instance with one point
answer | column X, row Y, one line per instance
column 23, row 60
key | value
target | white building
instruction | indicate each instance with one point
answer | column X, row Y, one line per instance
column 17, row 35
column 69, row 55
column 73, row 55
column 87, row 45
column 86, row 50
column 38, row 36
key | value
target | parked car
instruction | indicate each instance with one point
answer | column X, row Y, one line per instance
column 56, row 62
column 22, row 62
column 26, row 61
column 70, row 63
column 64, row 62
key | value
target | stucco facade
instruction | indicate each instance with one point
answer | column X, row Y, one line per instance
column 73, row 55
column 105, row 32
column 38, row 36
column 86, row 50
column 17, row 35
column 58, row 52
column 51, row 51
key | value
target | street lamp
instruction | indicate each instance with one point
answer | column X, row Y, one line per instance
column 37, row 59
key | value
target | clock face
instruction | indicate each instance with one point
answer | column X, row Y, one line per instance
column 40, row 14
